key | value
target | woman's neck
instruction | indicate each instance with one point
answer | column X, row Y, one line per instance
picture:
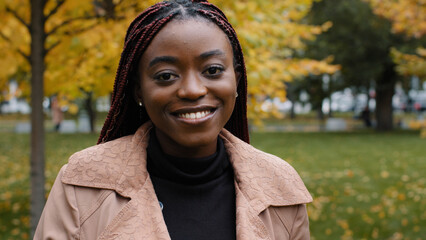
column 175, row 149
column 185, row 170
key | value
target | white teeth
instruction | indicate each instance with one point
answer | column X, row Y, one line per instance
column 195, row 115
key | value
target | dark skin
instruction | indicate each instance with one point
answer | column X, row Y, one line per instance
column 188, row 84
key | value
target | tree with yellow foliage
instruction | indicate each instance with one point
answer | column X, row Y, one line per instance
column 87, row 68
column 411, row 64
column 408, row 17
column 272, row 35
column 30, row 31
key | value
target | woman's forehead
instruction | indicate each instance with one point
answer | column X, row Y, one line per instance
column 191, row 35
column 195, row 26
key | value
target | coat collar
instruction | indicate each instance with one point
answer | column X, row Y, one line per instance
column 119, row 165
column 261, row 180
column 264, row 179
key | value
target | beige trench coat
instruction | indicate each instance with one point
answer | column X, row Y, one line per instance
column 105, row 192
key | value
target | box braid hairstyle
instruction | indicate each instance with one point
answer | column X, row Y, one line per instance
column 125, row 115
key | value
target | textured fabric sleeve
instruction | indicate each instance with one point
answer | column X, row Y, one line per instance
column 287, row 222
column 60, row 217
column 300, row 229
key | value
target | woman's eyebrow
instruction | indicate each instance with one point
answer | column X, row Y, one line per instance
column 215, row 52
column 166, row 59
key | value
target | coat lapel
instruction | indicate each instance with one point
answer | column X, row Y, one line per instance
column 249, row 225
column 141, row 218
column 264, row 179
column 261, row 180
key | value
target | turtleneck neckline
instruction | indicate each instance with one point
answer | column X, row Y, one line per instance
column 190, row 171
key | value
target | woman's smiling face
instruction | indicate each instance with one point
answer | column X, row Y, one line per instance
column 188, row 86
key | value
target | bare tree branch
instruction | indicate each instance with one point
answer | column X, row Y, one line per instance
column 74, row 32
column 77, row 31
column 120, row 2
column 19, row 18
column 55, row 9
column 26, row 56
column 67, row 22
column 52, row 47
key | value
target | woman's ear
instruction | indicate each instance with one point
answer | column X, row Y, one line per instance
column 137, row 96
column 238, row 74
column 137, row 91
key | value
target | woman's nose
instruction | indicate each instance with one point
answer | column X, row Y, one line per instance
column 192, row 88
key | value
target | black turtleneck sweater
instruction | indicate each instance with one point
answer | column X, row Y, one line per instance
column 197, row 194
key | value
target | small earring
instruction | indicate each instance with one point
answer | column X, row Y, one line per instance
column 140, row 110
column 236, row 94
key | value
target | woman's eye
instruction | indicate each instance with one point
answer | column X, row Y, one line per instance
column 164, row 77
column 215, row 70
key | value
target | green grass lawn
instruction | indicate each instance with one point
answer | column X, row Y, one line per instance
column 365, row 185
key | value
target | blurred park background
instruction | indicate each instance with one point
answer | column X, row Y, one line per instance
column 337, row 88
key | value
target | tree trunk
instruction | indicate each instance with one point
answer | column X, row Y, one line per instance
column 91, row 111
column 292, row 111
column 385, row 89
column 320, row 114
column 317, row 104
column 37, row 119
column 291, row 97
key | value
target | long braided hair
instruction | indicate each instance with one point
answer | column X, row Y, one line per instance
column 125, row 116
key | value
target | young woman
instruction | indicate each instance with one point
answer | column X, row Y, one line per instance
column 173, row 159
